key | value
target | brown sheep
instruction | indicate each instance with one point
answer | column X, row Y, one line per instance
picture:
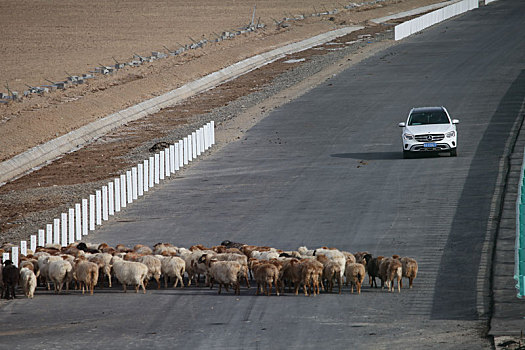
column 355, row 274
column 266, row 274
column 409, row 270
column 86, row 273
column 394, row 272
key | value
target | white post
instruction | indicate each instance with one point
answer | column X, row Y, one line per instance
column 194, row 144
column 23, row 247
column 56, row 231
column 63, row 236
column 41, row 240
column 212, row 132
column 85, row 217
column 151, row 171
column 157, row 168
column 49, row 234
column 34, row 241
column 98, row 207
column 146, row 175
column 206, row 136
column 5, row 256
column 111, row 198
column 78, row 221
column 71, row 226
column 129, row 186
column 134, row 183
column 91, row 212
column 190, row 148
column 203, row 132
column 167, row 162
column 140, row 176
column 186, row 154
column 123, row 201
column 117, row 194
column 104, row 202
column 199, row 141
column 181, row 153
column 177, row 156
column 161, row 163
column 172, row 159
column 14, row 255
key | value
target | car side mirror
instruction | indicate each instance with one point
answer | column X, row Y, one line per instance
column 402, row 125
column 455, row 121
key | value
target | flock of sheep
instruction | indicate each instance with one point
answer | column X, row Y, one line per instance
column 228, row 265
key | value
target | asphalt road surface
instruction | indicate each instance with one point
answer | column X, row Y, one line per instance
column 327, row 169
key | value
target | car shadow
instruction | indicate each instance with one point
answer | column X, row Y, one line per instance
column 385, row 155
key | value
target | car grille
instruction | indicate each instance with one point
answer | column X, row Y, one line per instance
column 430, row 137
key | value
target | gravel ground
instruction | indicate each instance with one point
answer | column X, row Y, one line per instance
column 32, row 201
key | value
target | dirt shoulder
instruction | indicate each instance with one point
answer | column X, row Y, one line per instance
column 32, row 201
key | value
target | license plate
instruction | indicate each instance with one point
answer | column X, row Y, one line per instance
column 430, row 145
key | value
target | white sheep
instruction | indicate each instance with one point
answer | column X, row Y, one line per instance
column 265, row 255
column 103, row 260
column 173, row 266
column 43, row 267
column 130, row 272
column 225, row 273
column 28, row 282
column 86, row 273
column 154, row 268
column 60, row 271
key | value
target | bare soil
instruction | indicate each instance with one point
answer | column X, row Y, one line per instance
column 31, row 201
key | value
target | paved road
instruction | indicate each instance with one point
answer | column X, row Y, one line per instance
column 327, row 169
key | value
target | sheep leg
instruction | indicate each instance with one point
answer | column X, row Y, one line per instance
column 220, row 288
column 339, row 282
column 143, row 287
column 410, row 280
column 238, row 288
column 125, row 287
column 401, row 282
column 158, row 281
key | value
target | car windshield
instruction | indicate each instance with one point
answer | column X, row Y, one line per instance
column 428, row 117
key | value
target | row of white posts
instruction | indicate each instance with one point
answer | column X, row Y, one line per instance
column 120, row 192
column 417, row 24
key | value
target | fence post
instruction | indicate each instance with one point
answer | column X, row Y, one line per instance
column 123, row 201
column 63, row 236
column 190, row 148
column 71, row 226
column 56, row 231
column 212, row 132
column 181, row 154
column 111, row 198
column 98, row 207
column 117, row 194
column 129, row 186
column 14, row 255
column 5, row 256
column 167, row 162
column 161, row 165
column 85, row 217
column 134, row 183
column 41, row 239
column 186, row 155
column 151, row 172
column 104, row 202
column 177, row 156
column 91, row 212
column 194, row 144
column 206, row 136
column 140, row 176
column 146, row 173
column 49, row 234
column 23, row 247
column 78, row 222
column 172, row 159
column 157, row 168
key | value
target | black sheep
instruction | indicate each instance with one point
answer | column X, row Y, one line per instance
column 10, row 277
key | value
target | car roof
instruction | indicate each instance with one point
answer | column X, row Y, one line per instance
column 426, row 109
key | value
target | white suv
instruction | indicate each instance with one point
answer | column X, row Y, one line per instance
column 429, row 129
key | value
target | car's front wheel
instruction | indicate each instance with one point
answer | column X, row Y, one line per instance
column 454, row 152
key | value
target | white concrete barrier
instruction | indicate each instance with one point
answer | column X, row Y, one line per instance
column 417, row 24
column 212, row 132
column 151, row 181
column 56, row 231
column 98, row 207
column 111, row 198
column 49, row 234
column 117, row 194
column 162, row 159
column 63, row 231
column 167, row 171
column 85, row 217
column 176, row 157
column 186, row 154
column 129, row 187
column 41, row 239
column 190, row 151
column 5, row 256
column 105, row 206
column 91, row 212
column 123, row 198
column 194, row 145
column 146, row 177
column 181, row 154
column 78, row 221
column 156, row 169
column 23, row 248
column 71, row 226
column 134, row 183
column 14, row 255
column 172, row 159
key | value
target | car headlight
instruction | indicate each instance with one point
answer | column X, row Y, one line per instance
column 450, row 134
column 408, row 136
